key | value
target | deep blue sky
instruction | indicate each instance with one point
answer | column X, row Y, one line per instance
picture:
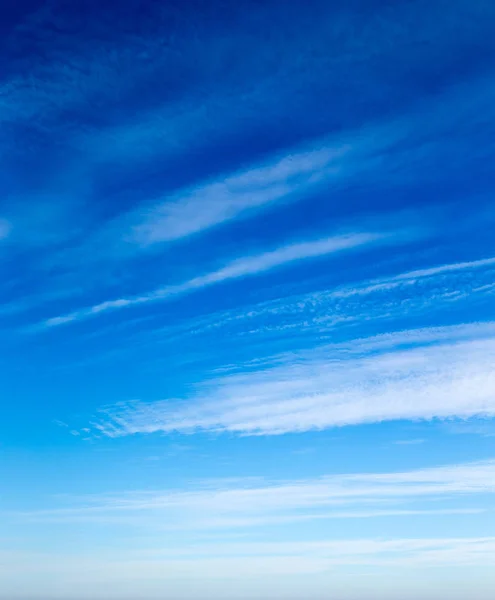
column 248, row 300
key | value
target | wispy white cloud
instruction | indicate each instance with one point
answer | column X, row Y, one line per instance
column 202, row 207
column 282, row 256
column 242, row 267
column 255, row 333
column 391, row 297
column 389, row 283
column 226, row 504
column 357, row 152
column 461, row 266
column 405, row 551
column 290, row 175
column 329, row 387
column 324, row 311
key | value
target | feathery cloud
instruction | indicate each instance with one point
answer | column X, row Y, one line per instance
column 327, row 388
column 224, row 504
column 224, row 200
column 242, row 267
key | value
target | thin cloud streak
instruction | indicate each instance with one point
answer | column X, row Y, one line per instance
column 371, row 550
column 327, row 388
column 217, row 202
column 389, row 283
column 254, row 331
column 242, row 267
column 474, row 264
column 240, row 504
column 326, row 310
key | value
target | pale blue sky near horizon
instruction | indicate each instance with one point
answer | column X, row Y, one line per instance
column 247, row 306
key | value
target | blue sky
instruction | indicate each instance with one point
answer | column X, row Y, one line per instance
column 247, row 300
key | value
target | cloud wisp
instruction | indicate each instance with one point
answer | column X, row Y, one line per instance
column 242, row 267
column 330, row 387
column 208, row 205
column 226, row 518
column 388, row 298
column 240, row 504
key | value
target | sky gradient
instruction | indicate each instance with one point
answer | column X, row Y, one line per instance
column 247, row 301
